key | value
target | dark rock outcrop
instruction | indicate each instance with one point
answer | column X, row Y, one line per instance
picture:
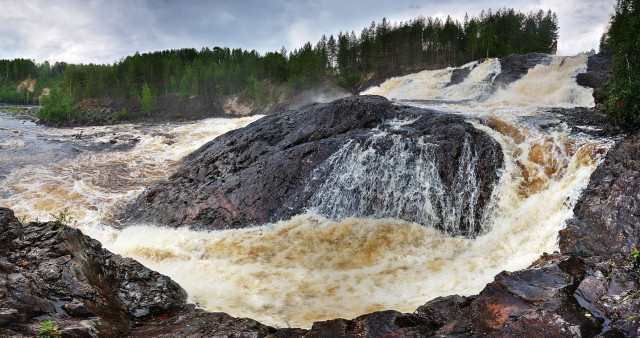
column 607, row 217
column 589, row 121
column 52, row 272
column 262, row 173
column 598, row 72
column 170, row 107
column 459, row 74
column 513, row 67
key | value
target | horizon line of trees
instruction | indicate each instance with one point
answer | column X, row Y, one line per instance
column 420, row 43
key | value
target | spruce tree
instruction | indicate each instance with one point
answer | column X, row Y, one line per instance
column 148, row 101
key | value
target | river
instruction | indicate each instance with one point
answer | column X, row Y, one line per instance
column 311, row 267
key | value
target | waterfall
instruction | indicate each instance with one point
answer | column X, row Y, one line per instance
column 369, row 178
column 552, row 85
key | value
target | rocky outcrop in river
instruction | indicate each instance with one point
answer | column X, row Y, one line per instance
column 598, row 72
column 273, row 168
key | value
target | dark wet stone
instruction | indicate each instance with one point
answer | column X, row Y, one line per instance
column 378, row 324
column 514, row 67
column 608, row 213
column 268, row 171
column 598, row 72
column 440, row 311
column 77, row 309
column 459, row 74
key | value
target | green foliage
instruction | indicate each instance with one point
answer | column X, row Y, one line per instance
column 57, row 107
column 254, row 90
column 148, row 101
column 414, row 44
column 48, row 330
column 122, row 115
column 63, row 218
column 623, row 40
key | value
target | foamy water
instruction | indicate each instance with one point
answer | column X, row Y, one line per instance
column 311, row 268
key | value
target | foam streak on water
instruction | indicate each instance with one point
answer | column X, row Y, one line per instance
column 312, row 268
column 94, row 184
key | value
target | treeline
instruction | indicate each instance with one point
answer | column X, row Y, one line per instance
column 622, row 39
column 433, row 42
column 416, row 44
column 14, row 72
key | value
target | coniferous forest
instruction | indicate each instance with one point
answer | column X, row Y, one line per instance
column 421, row 43
column 622, row 39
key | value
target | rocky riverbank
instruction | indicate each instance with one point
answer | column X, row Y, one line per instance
column 174, row 108
column 52, row 272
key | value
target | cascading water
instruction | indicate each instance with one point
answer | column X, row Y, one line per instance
column 329, row 263
column 400, row 183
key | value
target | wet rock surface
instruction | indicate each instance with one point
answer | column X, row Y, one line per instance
column 607, row 217
column 513, row 67
column 260, row 173
column 598, row 72
column 53, row 272
column 579, row 120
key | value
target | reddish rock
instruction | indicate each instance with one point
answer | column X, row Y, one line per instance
column 539, row 323
column 378, row 324
column 607, row 216
column 495, row 307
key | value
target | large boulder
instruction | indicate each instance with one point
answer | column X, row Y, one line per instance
column 49, row 271
column 598, row 72
column 513, row 67
column 342, row 159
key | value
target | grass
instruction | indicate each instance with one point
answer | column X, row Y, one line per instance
column 48, row 330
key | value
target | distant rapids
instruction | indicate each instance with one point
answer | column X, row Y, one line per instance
column 331, row 261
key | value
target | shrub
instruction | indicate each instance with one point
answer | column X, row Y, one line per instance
column 48, row 330
column 122, row 115
column 57, row 107
column 148, row 101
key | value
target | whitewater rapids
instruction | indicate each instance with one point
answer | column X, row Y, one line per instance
column 311, row 268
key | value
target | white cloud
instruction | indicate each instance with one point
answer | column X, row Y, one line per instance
column 102, row 31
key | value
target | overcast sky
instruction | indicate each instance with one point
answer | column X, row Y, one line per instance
column 104, row 31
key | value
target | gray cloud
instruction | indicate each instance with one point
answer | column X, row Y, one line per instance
column 102, row 31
